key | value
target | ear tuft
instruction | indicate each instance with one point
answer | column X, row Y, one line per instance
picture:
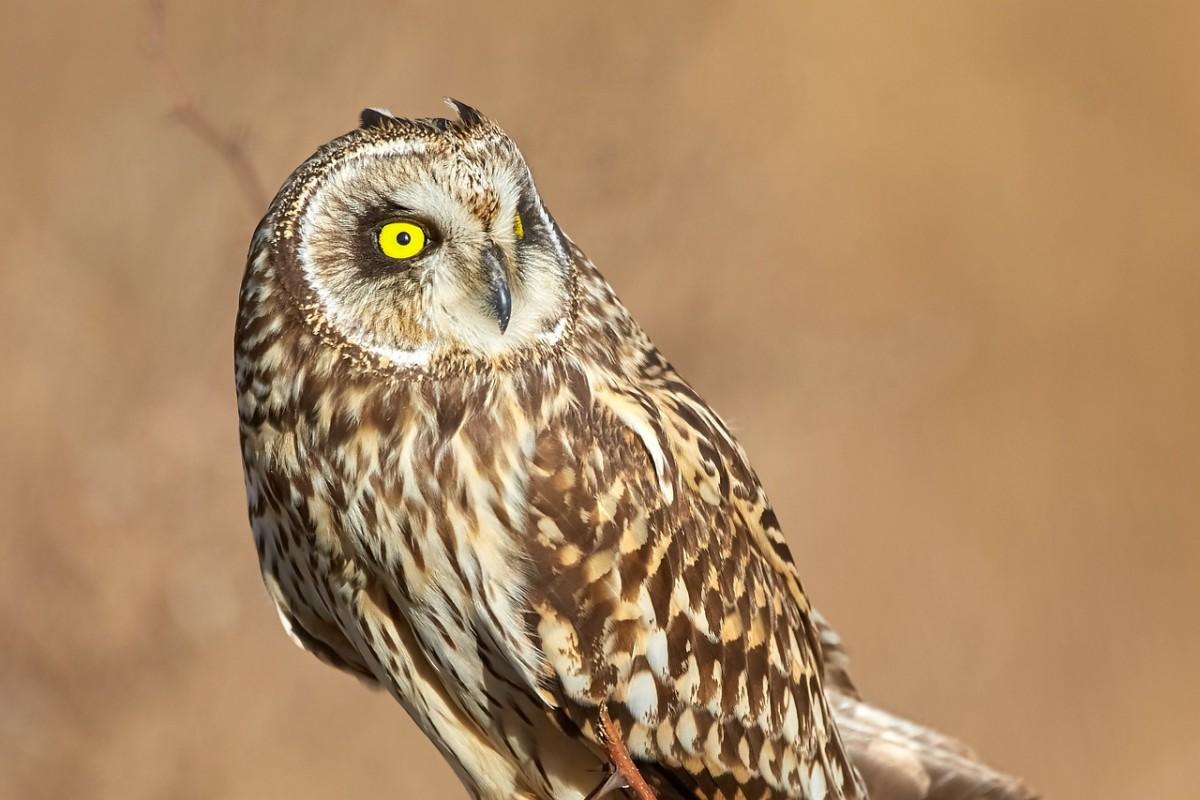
column 468, row 116
column 376, row 118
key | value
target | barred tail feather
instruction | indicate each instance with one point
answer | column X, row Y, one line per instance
column 900, row 760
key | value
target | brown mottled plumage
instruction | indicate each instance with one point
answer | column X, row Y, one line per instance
column 474, row 481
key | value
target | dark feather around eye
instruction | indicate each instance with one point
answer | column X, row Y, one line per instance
column 381, row 213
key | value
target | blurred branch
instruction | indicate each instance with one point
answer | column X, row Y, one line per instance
column 185, row 110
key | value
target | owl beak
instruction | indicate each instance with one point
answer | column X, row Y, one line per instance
column 499, row 297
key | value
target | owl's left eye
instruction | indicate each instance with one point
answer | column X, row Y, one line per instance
column 402, row 239
column 518, row 226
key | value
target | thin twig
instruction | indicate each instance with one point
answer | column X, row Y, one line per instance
column 621, row 759
column 189, row 113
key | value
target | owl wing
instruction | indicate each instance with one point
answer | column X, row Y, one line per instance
column 663, row 590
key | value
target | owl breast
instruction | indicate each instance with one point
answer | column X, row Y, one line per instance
column 390, row 528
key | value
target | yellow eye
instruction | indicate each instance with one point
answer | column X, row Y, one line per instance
column 401, row 239
column 518, row 227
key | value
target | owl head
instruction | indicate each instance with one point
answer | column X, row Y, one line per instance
column 415, row 241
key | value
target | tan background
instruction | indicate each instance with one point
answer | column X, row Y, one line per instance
column 938, row 265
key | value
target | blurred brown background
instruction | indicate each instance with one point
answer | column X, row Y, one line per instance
column 937, row 265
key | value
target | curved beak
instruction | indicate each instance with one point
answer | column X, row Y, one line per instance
column 499, row 297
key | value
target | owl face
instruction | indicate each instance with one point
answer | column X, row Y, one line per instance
column 420, row 239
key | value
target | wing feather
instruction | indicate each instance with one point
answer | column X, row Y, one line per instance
column 663, row 589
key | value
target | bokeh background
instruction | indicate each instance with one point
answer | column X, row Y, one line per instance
column 936, row 262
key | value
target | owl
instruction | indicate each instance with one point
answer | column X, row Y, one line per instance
column 474, row 481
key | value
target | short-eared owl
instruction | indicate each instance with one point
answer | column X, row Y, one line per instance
column 474, row 481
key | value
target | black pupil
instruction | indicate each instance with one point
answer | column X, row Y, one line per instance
column 404, row 237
